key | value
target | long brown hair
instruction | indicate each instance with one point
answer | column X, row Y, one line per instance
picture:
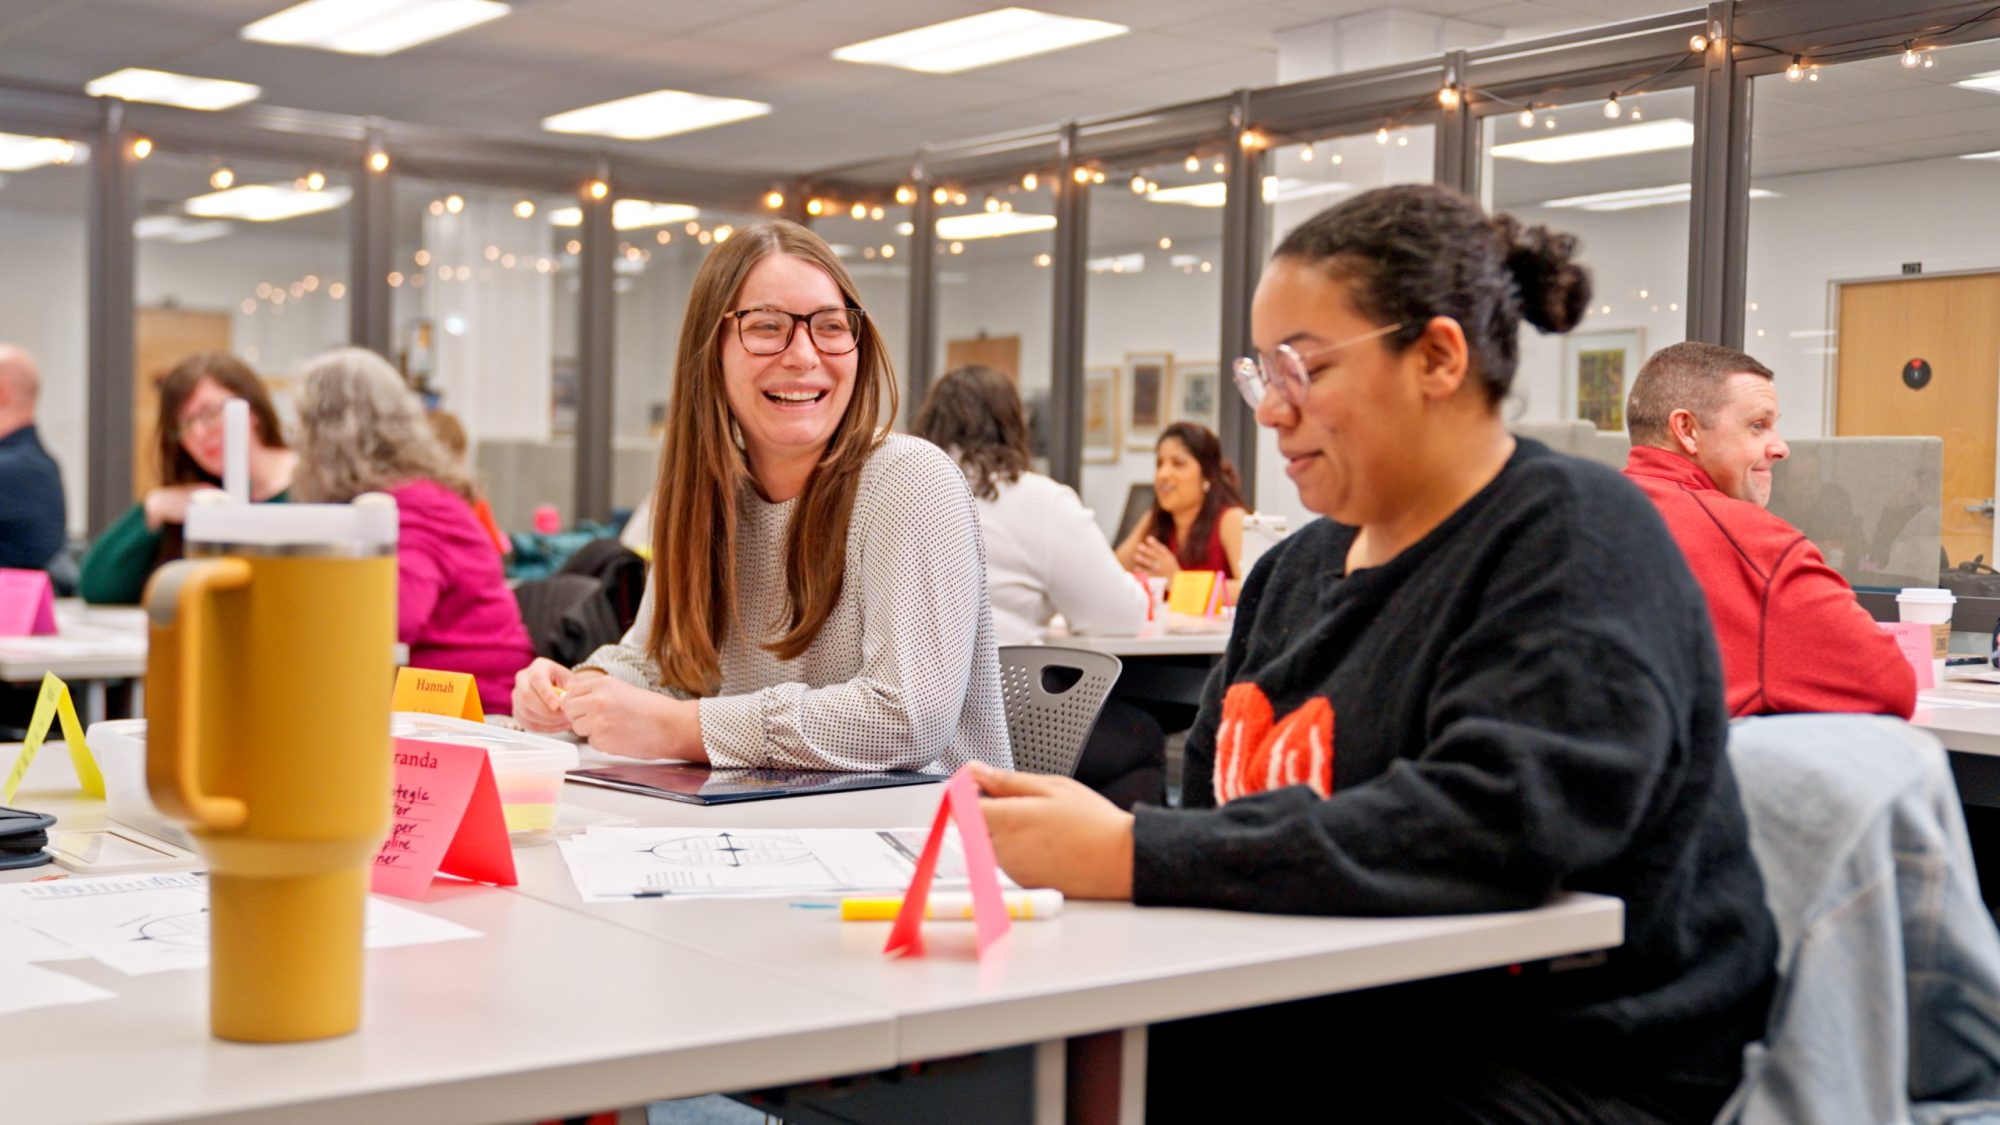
column 1224, row 491
column 232, row 375
column 975, row 412
column 703, row 472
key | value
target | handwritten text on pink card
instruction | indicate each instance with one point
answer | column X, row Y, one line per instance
column 447, row 818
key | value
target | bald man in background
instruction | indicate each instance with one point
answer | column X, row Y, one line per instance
column 31, row 494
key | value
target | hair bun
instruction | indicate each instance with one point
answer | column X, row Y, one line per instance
column 1555, row 289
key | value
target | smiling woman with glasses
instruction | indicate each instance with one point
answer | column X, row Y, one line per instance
column 817, row 596
column 188, row 441
column 1484, row 679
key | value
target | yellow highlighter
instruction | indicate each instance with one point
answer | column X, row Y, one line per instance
column 1022, row 906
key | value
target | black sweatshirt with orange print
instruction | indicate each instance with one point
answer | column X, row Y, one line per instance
column 1526, row 701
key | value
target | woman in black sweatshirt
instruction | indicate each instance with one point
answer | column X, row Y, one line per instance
column 1485, row 678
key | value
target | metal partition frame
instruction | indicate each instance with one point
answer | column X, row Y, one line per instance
column 1758, row 37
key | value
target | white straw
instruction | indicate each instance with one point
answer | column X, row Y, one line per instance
column 236, row 449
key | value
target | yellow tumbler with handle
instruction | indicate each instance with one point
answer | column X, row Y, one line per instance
column 268, row 678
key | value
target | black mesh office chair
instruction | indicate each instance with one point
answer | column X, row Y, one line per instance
column 1052, row 696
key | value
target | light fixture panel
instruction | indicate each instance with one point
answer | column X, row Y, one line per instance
column 370, row 27
column 998, row 36
column 161, row 87
column 650, row 116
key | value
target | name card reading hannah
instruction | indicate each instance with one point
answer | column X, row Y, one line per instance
column 447, row 820
column 453, row 694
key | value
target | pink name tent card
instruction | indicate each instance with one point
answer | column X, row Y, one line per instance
column 989, row 911
column 447, row 819
column 27, row 604
column 1914, row 639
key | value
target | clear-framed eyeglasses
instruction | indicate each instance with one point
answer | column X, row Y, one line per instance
column 1286, row 369
column 769, row 331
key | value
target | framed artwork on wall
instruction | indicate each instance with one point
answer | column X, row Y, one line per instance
column 1197, row 386
column 1149, row 392
column 1100, row 414
column 1599, row 366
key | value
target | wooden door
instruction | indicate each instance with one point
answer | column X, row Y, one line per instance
column 1952, row 325
column 1001, row 353
column 161, row 339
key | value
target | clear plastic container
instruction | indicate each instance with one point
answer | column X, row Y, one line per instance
column 528, row 769
column 119, row 745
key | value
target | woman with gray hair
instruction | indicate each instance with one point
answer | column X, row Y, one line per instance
column 361, row 430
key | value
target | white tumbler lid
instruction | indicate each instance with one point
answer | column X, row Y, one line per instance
column 366, row 527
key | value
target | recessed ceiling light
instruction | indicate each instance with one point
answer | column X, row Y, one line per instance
column 173, row 228
column 1639, row 197
column 1602, row 144
column 1994, row 155
column 662, row 113
column 1989, row 82
column 136, row 84
column 1276, row 190
column 19, row 153
column 266, row 203
column 370, row 27
column 975, row 41
column 992, row 224
column 630, row 214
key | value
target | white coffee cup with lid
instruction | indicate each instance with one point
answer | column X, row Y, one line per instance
column 1927, row 605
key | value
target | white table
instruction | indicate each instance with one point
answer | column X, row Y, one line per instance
column 93, row 644
column 1173, row 635
column 562, row 1006
column 547, row 1013
column 1100, row 967
column 1966, row 718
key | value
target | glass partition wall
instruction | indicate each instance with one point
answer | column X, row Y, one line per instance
column 242, row 256
column 44, row 291
column 1622, row 186
column 1874, row 293
column 660, row 244
column 483, row 301
column 994, row 246
column 1152, row 324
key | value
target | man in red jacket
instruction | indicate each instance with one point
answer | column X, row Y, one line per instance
column 1704, row 424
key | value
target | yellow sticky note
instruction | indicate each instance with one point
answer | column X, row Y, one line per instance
column 453, row 694
column 1190, row 590
column 53, row 702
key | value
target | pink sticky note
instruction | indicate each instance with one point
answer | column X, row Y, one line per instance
column 447, row 818
column 1914, row 639
column 989, row 912
column 27, row 604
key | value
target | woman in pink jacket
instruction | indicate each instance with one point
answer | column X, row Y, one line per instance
column 362, row 430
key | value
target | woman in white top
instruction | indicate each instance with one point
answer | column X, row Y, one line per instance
column 817, row 598
column 1044, row 552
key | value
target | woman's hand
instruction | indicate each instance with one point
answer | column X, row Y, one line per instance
column 632, row 722
column 538, row 694
column 1155, row 559
column 169, row 505
column 1053, row 831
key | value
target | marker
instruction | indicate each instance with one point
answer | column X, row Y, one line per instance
column 1022, row 906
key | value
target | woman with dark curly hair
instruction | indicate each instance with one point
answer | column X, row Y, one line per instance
column 1486, row 678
